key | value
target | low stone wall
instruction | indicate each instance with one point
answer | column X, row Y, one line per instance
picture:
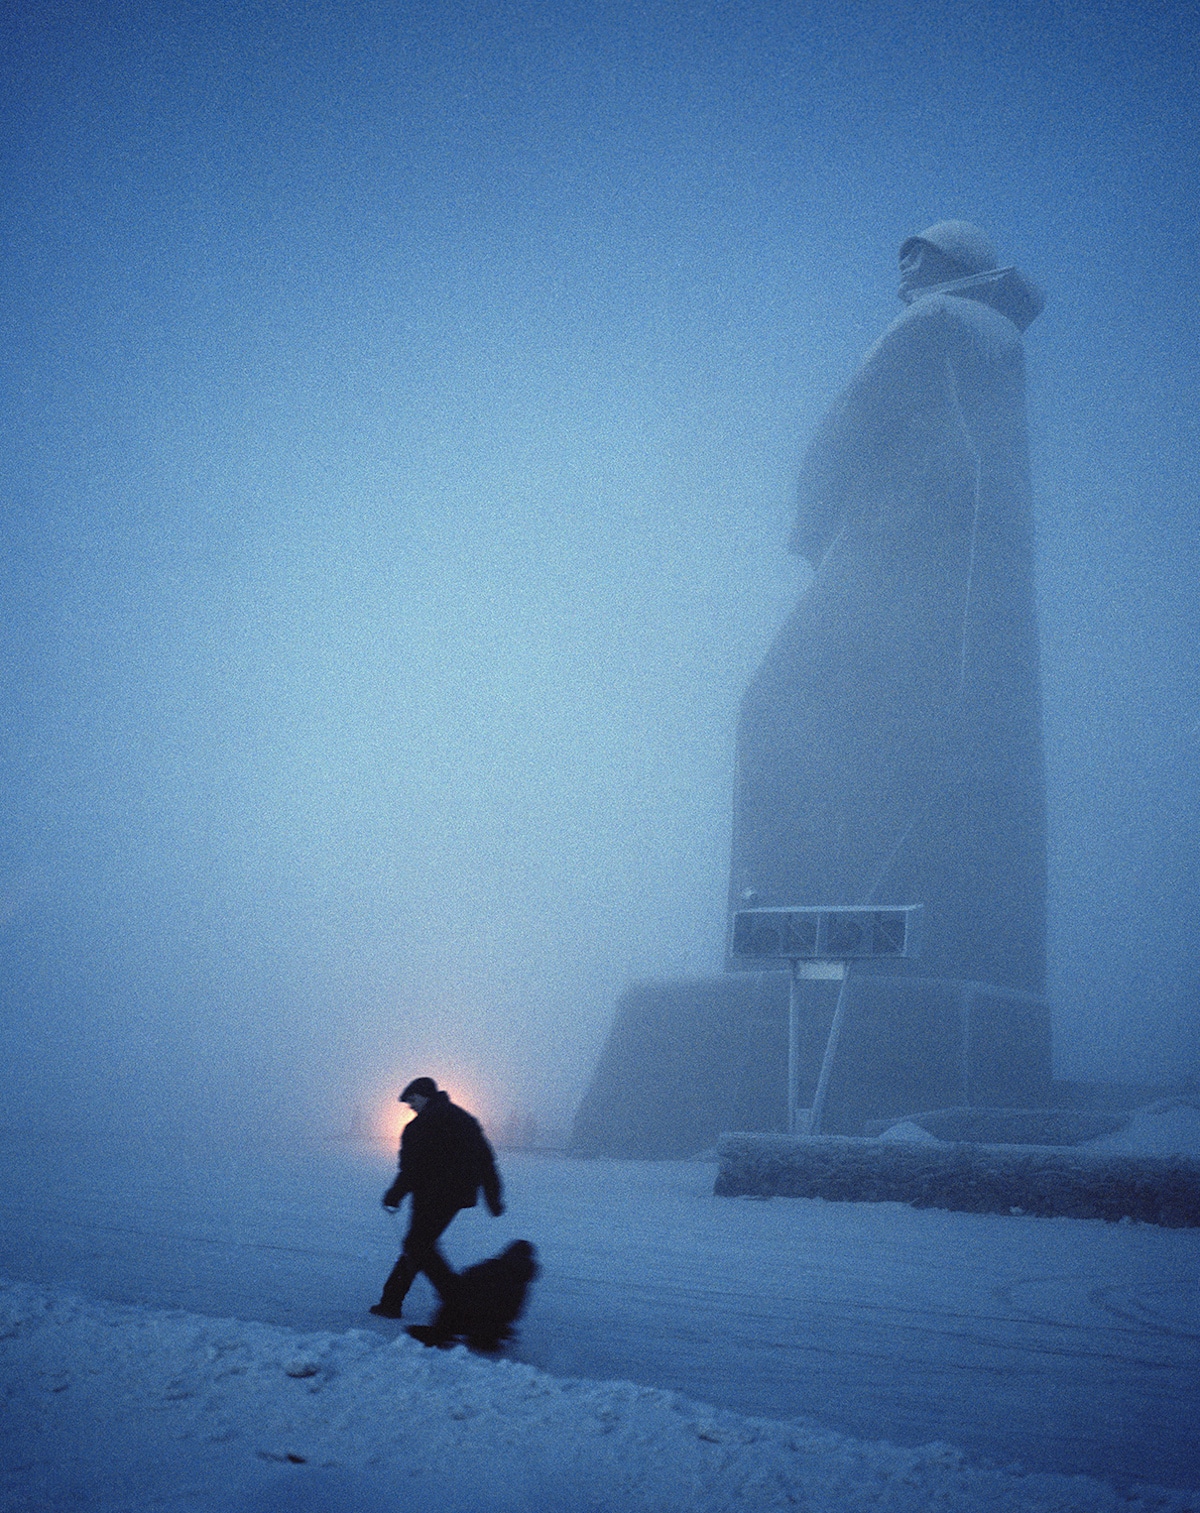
column 986, row 1179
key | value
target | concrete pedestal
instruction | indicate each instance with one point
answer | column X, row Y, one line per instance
column 687, row 1060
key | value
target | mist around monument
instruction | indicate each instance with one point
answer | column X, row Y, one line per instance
column 403, row 413
column 396, row 518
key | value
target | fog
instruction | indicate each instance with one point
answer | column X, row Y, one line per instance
column 402, row 408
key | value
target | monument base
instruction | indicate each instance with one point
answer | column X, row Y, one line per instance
column 687, row 1060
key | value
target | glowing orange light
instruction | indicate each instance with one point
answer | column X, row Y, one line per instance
column 392, row 1116
column 391, row 1119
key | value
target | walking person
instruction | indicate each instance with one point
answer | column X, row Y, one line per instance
column 444, row 1160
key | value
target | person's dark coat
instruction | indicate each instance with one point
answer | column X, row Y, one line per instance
column 445, row 1159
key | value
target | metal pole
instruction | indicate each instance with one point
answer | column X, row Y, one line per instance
column 793, row 1082
column 835, row 1030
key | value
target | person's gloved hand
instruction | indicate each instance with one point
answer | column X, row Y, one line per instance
column 390, row 1201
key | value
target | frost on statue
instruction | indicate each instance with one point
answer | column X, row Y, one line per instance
column 889, row 747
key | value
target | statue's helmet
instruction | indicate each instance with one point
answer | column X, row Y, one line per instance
column 959, row 240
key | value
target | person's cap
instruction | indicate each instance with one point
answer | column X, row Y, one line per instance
column 423, row 1087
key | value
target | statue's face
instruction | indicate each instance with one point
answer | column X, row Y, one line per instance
column 923, row 266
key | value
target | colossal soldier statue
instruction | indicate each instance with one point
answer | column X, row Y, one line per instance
column 889, row 752
column 889, row 748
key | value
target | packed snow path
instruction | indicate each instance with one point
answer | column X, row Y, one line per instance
column 1061, row 1345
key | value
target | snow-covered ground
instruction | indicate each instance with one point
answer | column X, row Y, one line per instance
column 130, row 1409
column 813, row 1331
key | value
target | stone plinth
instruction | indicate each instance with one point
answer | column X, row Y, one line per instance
column 686, row 1060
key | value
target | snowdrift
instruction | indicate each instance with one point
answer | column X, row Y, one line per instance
column 120, row 1408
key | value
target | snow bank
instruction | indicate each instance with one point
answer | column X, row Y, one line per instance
column 120, row 1408
column 1082, row 1183
column 1008, row 1126
column 1169, row 1127
column 906, row 1130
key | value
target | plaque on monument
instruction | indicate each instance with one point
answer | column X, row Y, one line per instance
column 840, row 933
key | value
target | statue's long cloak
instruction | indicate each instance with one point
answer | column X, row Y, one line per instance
column 889, row 747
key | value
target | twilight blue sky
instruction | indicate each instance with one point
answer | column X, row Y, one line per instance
column 401, row 407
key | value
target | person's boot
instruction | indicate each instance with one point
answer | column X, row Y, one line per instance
column 385, row 1310
column 391, row 1303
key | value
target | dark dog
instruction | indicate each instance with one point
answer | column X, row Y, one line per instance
column 486, row 1302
